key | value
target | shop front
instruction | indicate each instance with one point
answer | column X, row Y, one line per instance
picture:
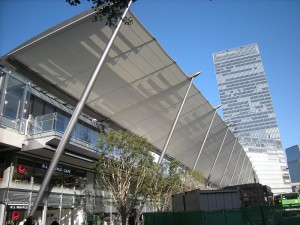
column 70, row 199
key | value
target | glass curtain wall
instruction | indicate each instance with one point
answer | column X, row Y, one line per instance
column 14, row 99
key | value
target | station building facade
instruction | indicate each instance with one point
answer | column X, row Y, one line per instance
column 141, row 89
column 32, row 119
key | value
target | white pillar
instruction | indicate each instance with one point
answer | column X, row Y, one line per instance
column 235, row 166
column 245, row 172
column 215, row 161
column 211, row 122
column 44, row 214
column 2, row 213
column 228, row 162
column 241, row 169
column 191, row 77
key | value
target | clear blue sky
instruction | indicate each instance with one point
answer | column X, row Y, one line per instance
column 190, row 31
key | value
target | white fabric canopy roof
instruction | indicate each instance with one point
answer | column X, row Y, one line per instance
column 140, row 88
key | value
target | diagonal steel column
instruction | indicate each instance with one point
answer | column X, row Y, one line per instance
column 235, row 166
column 254, row 176
column 215, row 161
column 191, row 77
column 65, row 138
column 211, row 122
column 245, row 171
column 228, row 162
column 241, row 169
column 251, row 168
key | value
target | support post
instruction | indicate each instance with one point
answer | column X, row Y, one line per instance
column 211, row 122
column 241, row 169
column 65, row 138
column 191, row 77
column 254, row 178
column 215, row 161
column 245, row 172
column 237, row 161
column 44, row 213
column 228, row 162
column 249, row 172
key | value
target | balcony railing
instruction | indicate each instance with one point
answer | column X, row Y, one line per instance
column 13, row 124
column 57, row 123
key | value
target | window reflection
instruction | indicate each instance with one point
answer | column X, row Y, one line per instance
column 13, row 104
column 69, row 181
column 69, row 178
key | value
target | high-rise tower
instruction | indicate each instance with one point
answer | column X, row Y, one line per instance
column 247, row 103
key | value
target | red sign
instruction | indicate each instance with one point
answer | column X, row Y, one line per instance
column 21, row 169
column 15, row 215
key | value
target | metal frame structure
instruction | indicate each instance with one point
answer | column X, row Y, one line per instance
column 140, row 88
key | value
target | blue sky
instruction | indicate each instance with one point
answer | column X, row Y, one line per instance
column 190, row 31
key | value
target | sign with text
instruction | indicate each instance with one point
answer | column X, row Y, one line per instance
column 57, row 169
column 17, row 207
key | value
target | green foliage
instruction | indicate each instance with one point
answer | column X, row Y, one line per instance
column 191, row 180
column 123, row 167
column 111, row 10
column 128, row 172
column 165, row 183
column 171, row 179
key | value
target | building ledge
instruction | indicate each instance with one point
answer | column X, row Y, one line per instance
column 10, row 138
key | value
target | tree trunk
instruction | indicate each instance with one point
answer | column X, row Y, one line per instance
column 123, row 218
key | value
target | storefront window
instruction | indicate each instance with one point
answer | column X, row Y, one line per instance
column 62, row 176
column 39, row 173
column 67, row 177
column 80, row 181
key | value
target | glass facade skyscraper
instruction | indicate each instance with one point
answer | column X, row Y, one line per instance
column 293, row 160
column 247, row 103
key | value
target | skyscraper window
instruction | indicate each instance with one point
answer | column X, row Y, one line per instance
column 246, row 101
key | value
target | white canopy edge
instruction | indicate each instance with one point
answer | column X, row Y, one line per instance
column 140, row 88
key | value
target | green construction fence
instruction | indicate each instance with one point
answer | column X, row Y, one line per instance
column 267, row 215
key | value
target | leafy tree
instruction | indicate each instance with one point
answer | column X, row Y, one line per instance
column 169, row 179
column 191, row 180
column 128, row 172
column 112, row 10
column 123, row 167
column 165, row 183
